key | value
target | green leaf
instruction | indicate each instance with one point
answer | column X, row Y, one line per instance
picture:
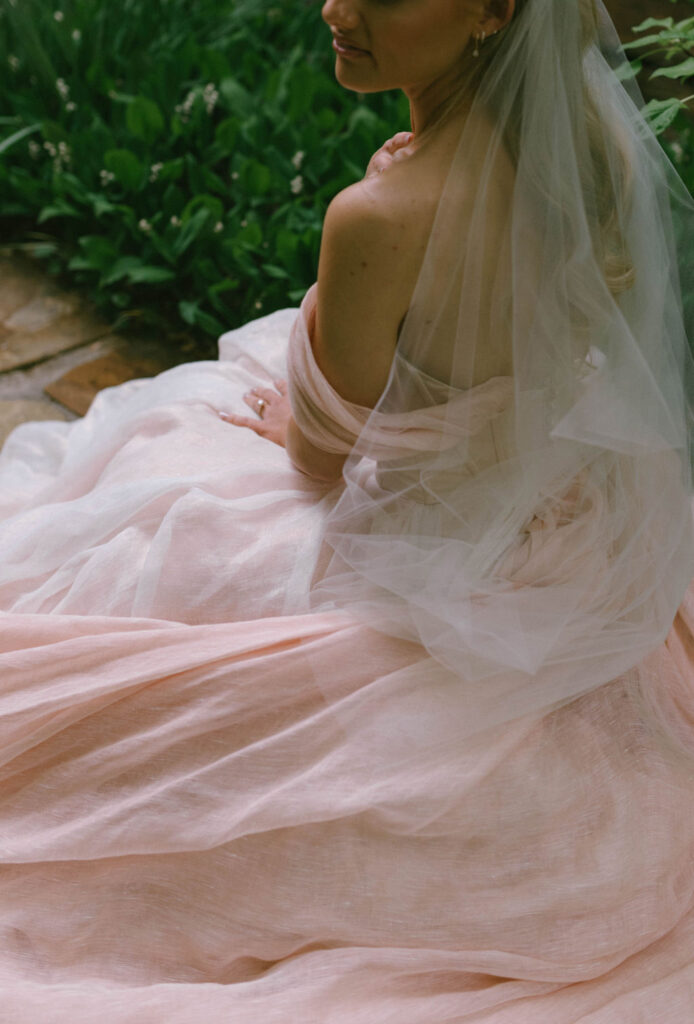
column 126, row 167
column 236, row 97
column 119, row 270
column 18, row 136
column 98, row 251
column 250, row 235
column 255, row 178
column 144, row 119
column 188, row 311
column 210, row 324
column 60, row 208
column 101, row 205
column 654, row 23
column 286, row 245
column 207, row 202
column 190, row 230
column 661, row 113
column 150, row 275
column 43, row 249
column 171, row 170
column 226, row 134
column 682, row 70
column 277, row 272
column 53, row 132
column 192, row 314
column 626, row 71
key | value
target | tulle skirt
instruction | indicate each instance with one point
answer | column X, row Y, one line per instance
column 217, row 805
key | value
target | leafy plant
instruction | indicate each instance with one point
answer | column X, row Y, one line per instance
column 177, row 159
column 668, row 41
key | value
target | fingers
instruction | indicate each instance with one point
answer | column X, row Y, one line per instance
column 399, row 140
column 243, row 421
column 252, row 400
column 267, row 393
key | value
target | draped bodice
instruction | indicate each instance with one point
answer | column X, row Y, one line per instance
column 455, row 433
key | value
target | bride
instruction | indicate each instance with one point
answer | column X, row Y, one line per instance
column 350, row 678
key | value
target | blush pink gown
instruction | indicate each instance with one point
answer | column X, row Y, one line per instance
column 187, row 831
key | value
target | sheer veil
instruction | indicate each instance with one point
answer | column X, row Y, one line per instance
column 533, row 529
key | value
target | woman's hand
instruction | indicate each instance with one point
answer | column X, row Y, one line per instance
column 389, row 152
column 272, row 413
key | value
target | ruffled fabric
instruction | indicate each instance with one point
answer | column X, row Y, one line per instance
column 214, row 809
column 333, row 424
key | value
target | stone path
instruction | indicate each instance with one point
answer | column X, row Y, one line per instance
column 56, row 353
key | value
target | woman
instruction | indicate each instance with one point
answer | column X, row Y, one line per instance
column 396, row 724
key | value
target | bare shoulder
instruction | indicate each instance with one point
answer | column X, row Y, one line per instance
column 369, row 260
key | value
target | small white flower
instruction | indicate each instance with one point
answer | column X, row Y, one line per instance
column 106, row 176
column 298, row 159
column 244, row 223
column 71, row 106
column 235, row 176
column 52, row 151
column 176, row 221
column 13, row 62
column 58, row 15
column 76, row 35
column 210, row 96
column 34, row 148
column 297, row 185
column 677, row 150
column 219, row 226
column 154, row 171
column 144, row 225
column 258, row 304
column 62, row 87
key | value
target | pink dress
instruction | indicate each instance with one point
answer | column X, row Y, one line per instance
column 188, row 835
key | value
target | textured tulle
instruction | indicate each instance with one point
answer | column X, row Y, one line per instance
column 220, row 805
column 541, row 566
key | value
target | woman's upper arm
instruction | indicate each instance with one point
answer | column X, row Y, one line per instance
column 358, row 303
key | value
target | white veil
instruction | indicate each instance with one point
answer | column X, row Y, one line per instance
column 533, row 529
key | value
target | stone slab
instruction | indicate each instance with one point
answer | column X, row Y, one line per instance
column 12, row 413
column 20, row 282
column 53, row 328
column 30, row 382
column 76, row 388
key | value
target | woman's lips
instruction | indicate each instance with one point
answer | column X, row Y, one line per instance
column 346, row 50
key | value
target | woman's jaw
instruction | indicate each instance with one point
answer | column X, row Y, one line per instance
column 418, row 46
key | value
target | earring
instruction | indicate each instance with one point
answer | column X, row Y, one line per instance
column 478, row 40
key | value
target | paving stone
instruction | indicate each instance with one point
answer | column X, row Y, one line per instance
column 77, row 388
column 58, row 326
column 12, row 413
column 39, row 312
column 30, row 382
column 20, row 282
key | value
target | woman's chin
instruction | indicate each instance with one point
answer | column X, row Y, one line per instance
column 350, row 78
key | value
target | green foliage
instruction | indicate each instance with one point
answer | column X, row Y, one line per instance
column 178, row 158
column 670, row 41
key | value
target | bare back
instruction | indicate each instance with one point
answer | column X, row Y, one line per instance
column 388, row 217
